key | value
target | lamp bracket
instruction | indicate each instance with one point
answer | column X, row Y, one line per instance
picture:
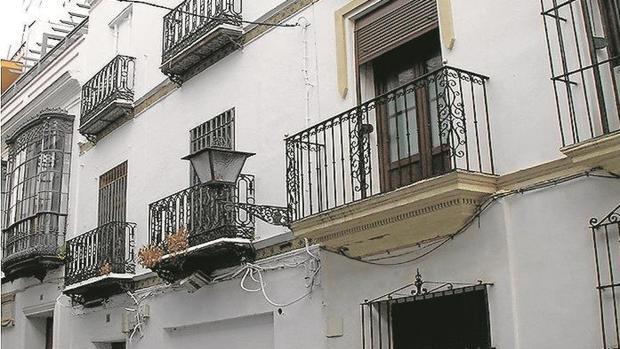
column 275, row 215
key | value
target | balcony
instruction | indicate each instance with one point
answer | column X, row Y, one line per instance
column 108, row 96
column 35, row 194
column 408, row 166
column 100, row 263
column 198, row 33
column 583, row 39
column 31, row 252
column 217, row 237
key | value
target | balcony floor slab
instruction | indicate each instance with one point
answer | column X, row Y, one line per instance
column 602, row 151
column 110, row 114
column 206, row 47
column 422, row 211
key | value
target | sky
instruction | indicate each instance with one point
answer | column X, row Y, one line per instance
column 17, row 13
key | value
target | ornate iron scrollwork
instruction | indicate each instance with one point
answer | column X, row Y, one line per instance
column 108, row 246
column 113, row 82
column 275, row 215
column 611, row 218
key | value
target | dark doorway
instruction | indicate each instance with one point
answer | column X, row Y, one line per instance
column 49, row 333
column 458, row 321
column 118, row 345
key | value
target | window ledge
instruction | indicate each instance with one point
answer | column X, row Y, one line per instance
column 419, row 212
column 602, row 151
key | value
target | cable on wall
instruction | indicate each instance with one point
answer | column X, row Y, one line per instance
column 207, row 17
column 479, row 210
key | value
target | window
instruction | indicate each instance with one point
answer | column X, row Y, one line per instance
column 37, row 183
column 606, row 242
column 217, row 132
column 400, row 40
column 393, row 25
column 3, row 196
column 113, row 195
column 8, row 309
column 449, row 319
column 611, row 23
column 410, row 145
column 463, row 317
column 121, row 27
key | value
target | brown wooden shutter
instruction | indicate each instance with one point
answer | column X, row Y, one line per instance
column 113, row 195
column 393, row 25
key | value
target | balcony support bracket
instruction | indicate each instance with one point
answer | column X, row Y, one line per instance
column 275, row 215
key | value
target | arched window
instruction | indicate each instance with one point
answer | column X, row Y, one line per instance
column 37, row 180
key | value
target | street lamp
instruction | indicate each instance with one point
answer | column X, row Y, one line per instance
column 220, row 168
column 218, row 165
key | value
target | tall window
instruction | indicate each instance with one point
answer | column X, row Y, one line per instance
column 37, row 183
column 113, row 195
column 217, row 132
column 401, row 42
column 410, row 146
column 611, row 23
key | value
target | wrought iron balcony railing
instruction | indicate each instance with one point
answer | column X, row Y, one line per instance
column 108, row 95
column 25, row 240
column 201, row 211
column 190, row 20
column 437, row 123
column 583, row 40
column 105, row 250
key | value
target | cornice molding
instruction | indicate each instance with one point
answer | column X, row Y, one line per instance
column 39, row 309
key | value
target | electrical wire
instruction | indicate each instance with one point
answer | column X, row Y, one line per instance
column 208, row 17
column 479, row 210
column 252, row 269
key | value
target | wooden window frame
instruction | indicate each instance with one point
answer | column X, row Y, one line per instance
column 427, row 153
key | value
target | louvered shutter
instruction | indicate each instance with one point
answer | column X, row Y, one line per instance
column 393, row 25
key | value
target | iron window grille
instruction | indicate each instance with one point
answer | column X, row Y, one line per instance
column 388, row 324
column 38, row 168
column 104, row 250
column 582, row 39
column 201, row 211
column 217, row 132
column 4, row 197
column 336, row 161
column 606, row 240
column 113, row 195
column 191, row 19
column 114, row 82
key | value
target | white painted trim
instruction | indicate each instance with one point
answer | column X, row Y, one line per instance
column 207, row 244
column 186, row 326
column 99, row 278
column 123, row 16
column 39, row 310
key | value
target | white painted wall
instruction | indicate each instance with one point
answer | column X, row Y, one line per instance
column 534, row 248
column 265, row 84
column 29, row 332
column 216, row 316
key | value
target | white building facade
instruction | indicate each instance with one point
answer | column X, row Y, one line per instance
column 423, row 174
